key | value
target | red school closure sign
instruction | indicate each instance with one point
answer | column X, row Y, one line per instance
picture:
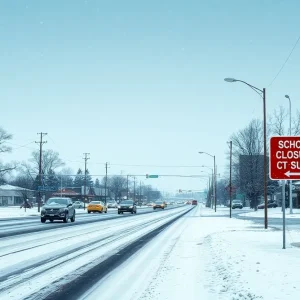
column 285, row 158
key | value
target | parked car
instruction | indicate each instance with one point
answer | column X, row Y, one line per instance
column 58, row 209
column 237, row 204
column 127, row 206
column 96, row 206
column 271, row 204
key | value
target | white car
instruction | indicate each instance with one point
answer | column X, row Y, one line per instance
column 112, row 204
column 78, row 204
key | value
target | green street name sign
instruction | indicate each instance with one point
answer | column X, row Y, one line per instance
column 151, row 176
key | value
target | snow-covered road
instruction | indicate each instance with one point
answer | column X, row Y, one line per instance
column 36, row 264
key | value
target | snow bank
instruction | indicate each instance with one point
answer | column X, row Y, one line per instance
column 16, row 211
column 273, row 213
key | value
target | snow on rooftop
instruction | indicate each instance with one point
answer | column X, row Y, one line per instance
column 8, row 187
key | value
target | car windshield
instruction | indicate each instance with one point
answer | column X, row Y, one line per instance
column 236, row 201
column 55, row 201
column 95, row 202
column 127, row 202
column 158, row 202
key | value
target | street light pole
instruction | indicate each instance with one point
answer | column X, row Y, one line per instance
column 263, row 94
column 230, row 178
column 265, row 159
column 214, row 179
column 215, row 183
column 290, row 181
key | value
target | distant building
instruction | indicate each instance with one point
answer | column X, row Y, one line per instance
column 13, row 195
column 79, row 193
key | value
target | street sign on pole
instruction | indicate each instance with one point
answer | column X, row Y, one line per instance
column 285, row 158
column 151, row 176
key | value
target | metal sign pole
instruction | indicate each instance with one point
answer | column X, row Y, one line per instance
column 283, row 212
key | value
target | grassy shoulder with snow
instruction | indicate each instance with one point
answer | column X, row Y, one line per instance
column 273, row 213
column 225, row 259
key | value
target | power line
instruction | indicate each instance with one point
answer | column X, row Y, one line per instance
column 285, row 61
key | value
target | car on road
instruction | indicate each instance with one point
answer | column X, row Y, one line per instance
column 127, row 206
column 159, row 204
column 237, row 204
column 271, row 204
column 96, row 206
column 78, row 204
column 58, row 208
column 112, row 204
column 194, row 202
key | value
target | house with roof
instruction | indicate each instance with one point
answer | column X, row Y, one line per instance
column 11, row 195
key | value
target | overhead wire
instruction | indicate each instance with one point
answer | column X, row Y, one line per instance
column 285, row 62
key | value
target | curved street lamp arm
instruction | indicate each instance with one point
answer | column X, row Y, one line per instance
column 206, row 153
column 252, row 87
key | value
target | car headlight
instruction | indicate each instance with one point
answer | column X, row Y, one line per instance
column 119, row 206
column 62, row 210
column 130, row 206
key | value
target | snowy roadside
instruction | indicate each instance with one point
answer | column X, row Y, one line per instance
column 209, row 258
column 273, row 213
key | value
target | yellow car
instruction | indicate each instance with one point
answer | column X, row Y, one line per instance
column 96, row 206
column 159, row 204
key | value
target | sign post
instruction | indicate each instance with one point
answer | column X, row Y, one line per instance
column 284, row 164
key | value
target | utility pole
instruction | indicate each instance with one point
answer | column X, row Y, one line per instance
column 105, row 187
column 134, row 190
column 85, row 163
column 140, row 192
column 215, row 167
column 127, row 187
column 230, row 178
column 41, row 142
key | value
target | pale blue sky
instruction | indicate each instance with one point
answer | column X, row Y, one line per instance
column 141, row 82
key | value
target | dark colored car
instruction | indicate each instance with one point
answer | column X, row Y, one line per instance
column 271, row 204
column 194, row 202
column 237, row 204
column 58, row 209
column 127, row 206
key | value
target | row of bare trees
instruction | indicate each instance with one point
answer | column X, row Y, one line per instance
column 247, row 154
column 26, row 173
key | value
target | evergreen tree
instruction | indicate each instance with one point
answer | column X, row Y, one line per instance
column 51, row 180
column 89, row 180
column 97, row 183
column 79, row 179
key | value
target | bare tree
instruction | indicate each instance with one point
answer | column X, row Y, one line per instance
column 279, row 120
column 50, row 161
column 4, row 139
column 67, row 181
column 117, row 185
column 248, row 160
column 23, row 181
